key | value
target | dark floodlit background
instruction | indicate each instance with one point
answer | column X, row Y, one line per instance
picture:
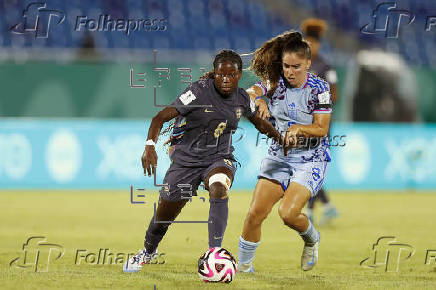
column 77, row 98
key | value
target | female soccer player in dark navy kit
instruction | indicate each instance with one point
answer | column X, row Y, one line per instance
column 207, row 113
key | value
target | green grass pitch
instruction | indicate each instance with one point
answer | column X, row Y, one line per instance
column 93, row 220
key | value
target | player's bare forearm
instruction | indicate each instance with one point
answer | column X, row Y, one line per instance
column 318, row 128
column 149, row 157
column 265, row 127
column 157, row 122
column 253, row 92
column 312, row 130
column 262, row 107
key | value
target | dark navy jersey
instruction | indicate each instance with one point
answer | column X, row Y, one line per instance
column 203, row 131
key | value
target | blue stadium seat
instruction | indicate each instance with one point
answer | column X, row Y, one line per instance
column 160, row 41
column 242, row 44
column 221, row 42
column 202, row 43
column 258, row 19
column 142, row 40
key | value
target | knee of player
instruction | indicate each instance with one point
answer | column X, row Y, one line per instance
column 219, row 185
column 288, row 215
column 217, row 190
column 255, row 216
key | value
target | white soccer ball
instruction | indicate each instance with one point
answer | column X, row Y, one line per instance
column 216, row 265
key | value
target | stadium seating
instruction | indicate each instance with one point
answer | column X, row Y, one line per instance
column 214, row 24
column 190, row 24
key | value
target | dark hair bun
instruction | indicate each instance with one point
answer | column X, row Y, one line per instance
column 294, row 43
column 295, row 37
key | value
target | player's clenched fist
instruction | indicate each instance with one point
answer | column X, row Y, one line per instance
column 291, row 136
column 262, row 109
column 149, row 160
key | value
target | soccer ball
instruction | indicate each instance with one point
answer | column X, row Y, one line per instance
column 216, row 265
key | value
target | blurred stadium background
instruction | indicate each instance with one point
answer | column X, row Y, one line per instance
column 75, row 105
column 85, row 80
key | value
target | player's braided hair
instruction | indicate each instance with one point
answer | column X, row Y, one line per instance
column 167, row 132
column 224, row 55
column 267, row 61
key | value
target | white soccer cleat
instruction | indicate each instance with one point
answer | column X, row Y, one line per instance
column 135, row 263
column 309, row 258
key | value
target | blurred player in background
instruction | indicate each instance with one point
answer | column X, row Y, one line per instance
column 299, row 104
column 207, row 113
column 313, row 30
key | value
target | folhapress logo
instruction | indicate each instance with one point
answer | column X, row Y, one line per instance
column 37, row 19
column 387, row 19
column 387, row 254
column 37, row 254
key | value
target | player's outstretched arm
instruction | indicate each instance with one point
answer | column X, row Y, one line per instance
column 149, row 157
column 255, row 92
column 318, row 128
column 265, row 127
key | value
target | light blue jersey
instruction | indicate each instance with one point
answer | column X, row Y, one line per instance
column 290, row 106
column 305, row 165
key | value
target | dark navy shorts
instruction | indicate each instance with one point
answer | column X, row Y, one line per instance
column 181, row 182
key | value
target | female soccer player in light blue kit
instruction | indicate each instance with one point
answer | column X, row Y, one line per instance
column 299, row 105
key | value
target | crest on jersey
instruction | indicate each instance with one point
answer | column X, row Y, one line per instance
column 228, row 162
column 292, row 111
column 238, row 113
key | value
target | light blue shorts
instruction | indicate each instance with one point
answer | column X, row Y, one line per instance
column 309, row 174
